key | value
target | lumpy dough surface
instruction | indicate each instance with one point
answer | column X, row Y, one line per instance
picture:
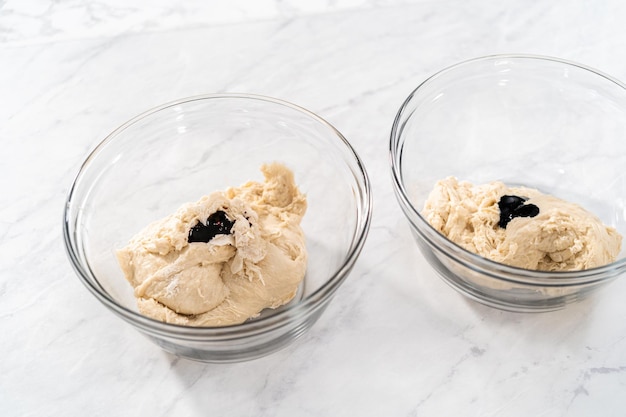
column 563, row 236
column 258, row 264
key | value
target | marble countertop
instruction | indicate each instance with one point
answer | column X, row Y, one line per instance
column 396, row 341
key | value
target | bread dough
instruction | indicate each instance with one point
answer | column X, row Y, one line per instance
column 561, row 237
column 259, row 264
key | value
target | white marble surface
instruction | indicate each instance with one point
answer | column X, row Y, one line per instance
column 396, row 341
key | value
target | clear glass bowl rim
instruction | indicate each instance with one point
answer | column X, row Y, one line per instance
column 290, row 314
column 459, row 254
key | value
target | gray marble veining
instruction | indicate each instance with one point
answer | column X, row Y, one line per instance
column 396, row 341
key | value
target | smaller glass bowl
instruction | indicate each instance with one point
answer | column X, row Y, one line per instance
column 534, row 121
column 180, row 151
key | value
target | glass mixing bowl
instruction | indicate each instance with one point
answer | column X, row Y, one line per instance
column 535, row 121
column 180, row 151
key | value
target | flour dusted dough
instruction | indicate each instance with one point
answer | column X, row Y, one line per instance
column 232, row 277
column 562, row 237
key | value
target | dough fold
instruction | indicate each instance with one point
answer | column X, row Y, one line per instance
column 259, row 264
column 562, row 237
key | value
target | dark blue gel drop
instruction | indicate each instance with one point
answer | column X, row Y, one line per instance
column 512, row 206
